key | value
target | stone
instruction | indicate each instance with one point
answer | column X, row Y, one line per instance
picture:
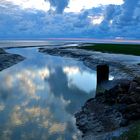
column 132, row 86
column 113, row 109
column 137, row 80
column 137, row 89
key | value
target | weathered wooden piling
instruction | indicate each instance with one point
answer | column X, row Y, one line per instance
column 102, row 77
column 102, row 73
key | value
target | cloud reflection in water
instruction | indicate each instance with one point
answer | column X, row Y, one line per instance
column 40, row 95
column 80, row 79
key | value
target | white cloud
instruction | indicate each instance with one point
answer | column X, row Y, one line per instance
column 116, row 20
column 74, row 5
column 32, row 4
column 80, row 79
column 96, row 20
column 78, row 5
column 71, row 70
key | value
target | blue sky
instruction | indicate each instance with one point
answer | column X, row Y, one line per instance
column 104, row 19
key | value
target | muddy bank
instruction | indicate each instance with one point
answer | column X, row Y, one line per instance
column 121, row 66
column 110, row 110
column 7, row 59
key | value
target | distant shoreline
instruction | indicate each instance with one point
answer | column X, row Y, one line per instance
column 86, row 40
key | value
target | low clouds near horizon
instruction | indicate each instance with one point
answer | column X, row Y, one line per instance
column 108, row 19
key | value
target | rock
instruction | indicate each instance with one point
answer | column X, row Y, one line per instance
column 132, row 107
column 132, row 86
column 137, row 89
column 124, row 123
column 99, row 118
column 112, row 109
column 137, row 80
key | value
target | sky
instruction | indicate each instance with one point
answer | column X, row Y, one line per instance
column 40, row 19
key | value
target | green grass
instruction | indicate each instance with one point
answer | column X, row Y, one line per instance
column 132, row 134
column 115, row 48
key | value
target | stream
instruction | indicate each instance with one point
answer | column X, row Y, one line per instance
column 39, row 96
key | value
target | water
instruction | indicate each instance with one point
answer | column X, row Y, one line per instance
column 33, row 43
column 61, row 41
column 39, row 96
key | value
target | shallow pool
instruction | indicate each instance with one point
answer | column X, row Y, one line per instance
column 39, row 96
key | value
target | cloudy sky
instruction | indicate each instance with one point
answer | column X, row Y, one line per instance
column 109, row 19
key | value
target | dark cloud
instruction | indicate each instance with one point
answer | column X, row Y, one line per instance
column 59, row 5
column 119, row 21
column 129, row 8
column 112, row 11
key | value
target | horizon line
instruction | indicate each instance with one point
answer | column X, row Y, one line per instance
column 76, row 39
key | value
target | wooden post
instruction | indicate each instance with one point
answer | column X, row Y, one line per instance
column 102, row 73
column 102, row 77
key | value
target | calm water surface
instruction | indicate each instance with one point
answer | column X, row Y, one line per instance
column 39, row 96
column 34, row 43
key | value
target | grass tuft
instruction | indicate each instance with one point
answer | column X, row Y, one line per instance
column 131, row 49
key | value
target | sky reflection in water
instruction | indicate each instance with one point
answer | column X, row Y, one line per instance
column 38, row 97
